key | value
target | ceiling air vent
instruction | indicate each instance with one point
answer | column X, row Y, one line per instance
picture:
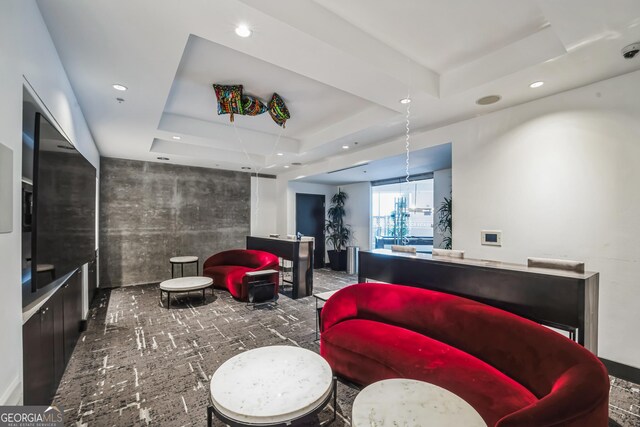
column 346, row 169
column 488, row 100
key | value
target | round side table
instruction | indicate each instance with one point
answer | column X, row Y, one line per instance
column 181, row 261
column 404, row 402
column 271, row 386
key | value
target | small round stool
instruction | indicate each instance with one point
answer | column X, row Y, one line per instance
column 181, row 261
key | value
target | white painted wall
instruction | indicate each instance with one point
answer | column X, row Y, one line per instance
column 264, row 204
column 358, row 213
column 559, row 176
column 26, row 49
column 441, row 189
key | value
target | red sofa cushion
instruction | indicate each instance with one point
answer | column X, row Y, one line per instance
column 401, row 353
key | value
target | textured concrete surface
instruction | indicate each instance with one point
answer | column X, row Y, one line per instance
column 150, row 212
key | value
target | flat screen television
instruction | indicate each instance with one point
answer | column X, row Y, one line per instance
column 63, row 226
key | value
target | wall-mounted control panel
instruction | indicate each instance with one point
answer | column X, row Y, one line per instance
column 491, row 237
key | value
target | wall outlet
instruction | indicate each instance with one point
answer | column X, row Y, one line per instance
column 491, row 237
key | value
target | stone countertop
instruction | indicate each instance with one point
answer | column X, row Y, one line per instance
column 485, row 263
column 37, row 304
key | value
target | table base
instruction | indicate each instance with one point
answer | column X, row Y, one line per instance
column 211, row 411
column 176, row 292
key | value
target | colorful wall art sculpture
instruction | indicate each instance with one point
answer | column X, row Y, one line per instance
column 232, row 101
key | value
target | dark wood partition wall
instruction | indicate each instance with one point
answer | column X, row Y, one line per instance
column 564, row 300
column 300, row 253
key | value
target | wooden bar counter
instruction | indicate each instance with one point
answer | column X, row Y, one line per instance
column 561, row 299
column 300, row 253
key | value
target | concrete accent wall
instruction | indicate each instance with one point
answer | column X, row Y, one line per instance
column 150, row 212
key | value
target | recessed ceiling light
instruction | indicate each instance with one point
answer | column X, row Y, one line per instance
column 120, row 100
column 280, row 154
column 176, row 137
column 286, row 166
column 243, row 31
column 536, row 84
column 405, row 101
column 345, row 147
column 487, row 100
column 163, row 158
column 118, row 86
column 246, row 168
column 296, row 164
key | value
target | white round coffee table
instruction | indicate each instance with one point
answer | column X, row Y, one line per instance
column 184, row 284
column 270, row 386
column 403, row 402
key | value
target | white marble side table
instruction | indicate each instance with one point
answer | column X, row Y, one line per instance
column 181, row 261
column 403, row 402
column 184, row 284
column 271, row 386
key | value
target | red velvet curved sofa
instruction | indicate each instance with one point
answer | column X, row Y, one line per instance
column 228, row 269
column 514, row 372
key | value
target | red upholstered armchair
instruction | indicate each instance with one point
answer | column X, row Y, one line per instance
column 228, row 269
column 514, row 372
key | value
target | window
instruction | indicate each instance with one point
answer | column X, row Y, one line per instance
column 402, row 214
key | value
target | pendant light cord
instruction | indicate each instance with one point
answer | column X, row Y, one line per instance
column 407, row 145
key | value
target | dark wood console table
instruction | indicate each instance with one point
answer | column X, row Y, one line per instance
column 556, row 298
column 300, row 253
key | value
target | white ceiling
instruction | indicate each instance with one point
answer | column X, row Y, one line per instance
column 341, row 66
column 416, row 27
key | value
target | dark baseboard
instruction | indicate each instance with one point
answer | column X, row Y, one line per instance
column 622, row 371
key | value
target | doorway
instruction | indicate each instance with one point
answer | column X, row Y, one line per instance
column 310, row 222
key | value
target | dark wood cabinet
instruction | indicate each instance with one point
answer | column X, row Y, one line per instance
column 38, row 347
column 59, row 361
column 72, row 300
column 48, row 340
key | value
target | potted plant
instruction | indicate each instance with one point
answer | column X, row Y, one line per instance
column 338, row 233
column 445, row 222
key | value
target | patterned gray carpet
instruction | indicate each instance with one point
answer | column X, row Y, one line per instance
column 140, row 364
